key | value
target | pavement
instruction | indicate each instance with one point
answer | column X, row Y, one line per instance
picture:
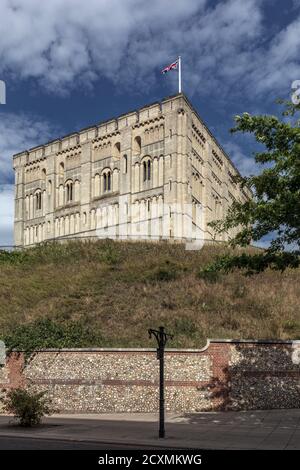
column 262, row 429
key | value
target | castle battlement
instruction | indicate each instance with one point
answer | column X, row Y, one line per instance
column 142, row 164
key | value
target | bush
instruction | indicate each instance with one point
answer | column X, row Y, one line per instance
column 110, row 254
column 27, row 406
column 164, row 274
column 209, row 275
column 167, row 271
column 13, row 257
column 46, row 333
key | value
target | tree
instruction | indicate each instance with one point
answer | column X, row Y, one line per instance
column 275, row 206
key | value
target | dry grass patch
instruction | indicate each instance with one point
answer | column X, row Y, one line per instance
column 122, row 289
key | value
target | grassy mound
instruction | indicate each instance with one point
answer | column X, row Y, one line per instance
column 110, row 293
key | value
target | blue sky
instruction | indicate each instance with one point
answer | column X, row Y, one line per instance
column 68, row 64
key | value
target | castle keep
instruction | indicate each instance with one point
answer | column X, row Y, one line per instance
column 156, row 173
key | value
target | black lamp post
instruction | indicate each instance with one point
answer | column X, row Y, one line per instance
column 161, row 338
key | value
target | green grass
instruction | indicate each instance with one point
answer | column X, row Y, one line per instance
column 118, row 290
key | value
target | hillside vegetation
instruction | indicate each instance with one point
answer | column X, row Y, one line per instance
column 109, row 293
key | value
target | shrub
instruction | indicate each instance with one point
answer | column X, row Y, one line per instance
column 185, row 326
column 28, row 407
column 209, row 275
column 13, row 257
column 110, row 254
column 167, row 271
column 164, row 274
column 46, row 333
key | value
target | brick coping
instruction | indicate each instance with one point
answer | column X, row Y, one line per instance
column 173, row 350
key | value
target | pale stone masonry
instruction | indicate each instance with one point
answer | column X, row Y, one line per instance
column 155, row 173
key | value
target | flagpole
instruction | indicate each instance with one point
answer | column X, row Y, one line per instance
column 179, row 74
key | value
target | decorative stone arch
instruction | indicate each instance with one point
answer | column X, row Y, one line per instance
column 27, row 207
column 61, row 169
column 77, row 222
column 56, row 227
column 77, row 190
column 26, row 233
column 31, row 239
column 115, row 179
column 97, row 185
column 161, row 131
column 148, row 206
column 67, row 225
column 61, row 226
column 93, row 218
column 136, row 171
column 72, row 224
column 125, row 164
column 155, row 171
column 61, row 195
column 49, row 187
column 44, row 201
column 117, row 150
column 161, row 170
column 40, row 233
column 137, row 145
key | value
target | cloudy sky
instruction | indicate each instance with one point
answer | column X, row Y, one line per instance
column 68, row 64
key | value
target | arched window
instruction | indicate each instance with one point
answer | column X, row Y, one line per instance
column 107, row 180
column 38, row 200
column 125, row 164
column 69, row 194
column 137, row 145
column 61, row 169
column 117, row 150
column 49, row 186
column 147, row 170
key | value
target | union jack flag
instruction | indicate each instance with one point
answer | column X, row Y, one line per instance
column 172, row 66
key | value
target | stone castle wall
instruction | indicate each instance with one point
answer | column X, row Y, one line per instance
column 223, row 375
column 145, row 175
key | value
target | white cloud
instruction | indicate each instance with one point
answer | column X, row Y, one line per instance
column 245, row 163
column 17, row 132
column 6, row 214
column 57, row 41
column 280, row 65
column 224, row 46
